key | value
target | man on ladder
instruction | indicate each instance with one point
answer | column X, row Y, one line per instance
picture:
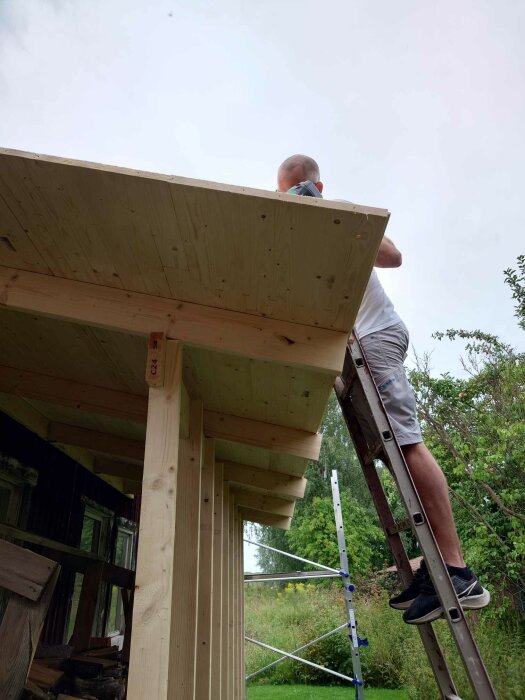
column 384, row 340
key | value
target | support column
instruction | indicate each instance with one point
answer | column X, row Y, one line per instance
column 205, row 579
column 231, row 600
column 225, row 628
column 241, row 605
column 153, row 608
column 186, row 572
column 217, row 612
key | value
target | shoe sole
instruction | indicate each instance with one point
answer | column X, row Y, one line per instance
column 473, row 602
column 402, row 606
column 476, row 602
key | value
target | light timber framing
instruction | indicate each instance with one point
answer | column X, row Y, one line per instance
column 276, row 438
column 265, row 480
column 264, row 502
column 96, row 441
column 258, row 516
column 141, row 314
column 153, row 610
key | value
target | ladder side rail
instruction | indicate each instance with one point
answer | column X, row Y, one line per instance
column 426, row 632
column 343, row 558
column 452, row 610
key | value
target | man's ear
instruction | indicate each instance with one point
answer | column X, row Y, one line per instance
column 319, row 186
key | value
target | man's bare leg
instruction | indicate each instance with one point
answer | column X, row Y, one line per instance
column 432, row 488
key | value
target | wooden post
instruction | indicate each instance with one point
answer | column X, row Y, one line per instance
column 241, row 606
column 217, row 608
column 225, row 637
column 153, row 608
column 231, row 600
column 185, row 576
column 87, row 606
column 205, row 578
column 20, row 631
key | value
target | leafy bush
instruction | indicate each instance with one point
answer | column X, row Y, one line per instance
column 395, row 658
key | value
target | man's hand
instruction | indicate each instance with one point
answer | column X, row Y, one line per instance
column 388, row 255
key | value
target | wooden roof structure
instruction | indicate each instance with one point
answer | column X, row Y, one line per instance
column 236, row 303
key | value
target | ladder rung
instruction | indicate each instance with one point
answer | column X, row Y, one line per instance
column 400, row 526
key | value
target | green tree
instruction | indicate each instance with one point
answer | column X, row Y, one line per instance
column 314, row 516
column 475, row 426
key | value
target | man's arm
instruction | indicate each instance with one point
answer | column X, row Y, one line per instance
column 388, row 255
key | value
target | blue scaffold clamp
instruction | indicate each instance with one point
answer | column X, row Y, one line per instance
column 351, row 587
column 362, row 642
column 344, row 574
column 356, row 684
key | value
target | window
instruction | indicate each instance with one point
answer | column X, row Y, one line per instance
column 125, row 557
column 95, row 538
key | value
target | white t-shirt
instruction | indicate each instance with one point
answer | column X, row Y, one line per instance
column 376, row 311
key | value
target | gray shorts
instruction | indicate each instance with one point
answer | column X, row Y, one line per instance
column 385, row 352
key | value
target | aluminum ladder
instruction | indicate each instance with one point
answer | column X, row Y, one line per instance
column 373, row 439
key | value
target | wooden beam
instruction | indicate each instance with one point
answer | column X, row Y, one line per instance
column 276, row 438
column 205, row 580
column 153, row 604
column 264, row 502
column 24, row 572
column 218, row 562
column 181, row 682
column 66, row 392
column 257, row 516
column 19, row 634
column 96, row 441
column 113, row 467
column 272, row 482
column 194, row 324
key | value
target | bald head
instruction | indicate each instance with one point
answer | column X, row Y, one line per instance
column 296, row 169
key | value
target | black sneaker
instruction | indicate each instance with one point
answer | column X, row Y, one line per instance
column 427, row 606
column 405, row 599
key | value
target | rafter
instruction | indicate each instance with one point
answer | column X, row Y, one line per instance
column 202, row 326
column 276, row 438
column 257, row 516
column 265, row 480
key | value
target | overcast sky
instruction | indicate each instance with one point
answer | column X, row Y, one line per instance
column 417, row 107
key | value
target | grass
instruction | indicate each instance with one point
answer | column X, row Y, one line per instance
column 311, row 692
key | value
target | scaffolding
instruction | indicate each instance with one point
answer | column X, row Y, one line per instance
column 322, row 572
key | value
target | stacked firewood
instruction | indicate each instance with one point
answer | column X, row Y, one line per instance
column 66, row 674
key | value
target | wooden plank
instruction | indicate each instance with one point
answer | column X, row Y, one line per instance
column 113, row 467
column 215, row 328
column 276, row 438
column 153, row 604
column 217, row 607
column 186, row 571
column 264, row 502
column 44, row 677
column 241, row 605
column 23, row 571
column 272, row 482
column 87, row 606
column 262, row 518
column 231, row 599
column 298, row 258
column 66, row 392
column 206, row 582
column 19, row 634
column 96, row 441
column 23, row 413
column 226, row 573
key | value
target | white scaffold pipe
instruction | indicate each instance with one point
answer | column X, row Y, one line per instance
column 293, row 556
column 297, row 576
column 295, row 651
column 303, row 661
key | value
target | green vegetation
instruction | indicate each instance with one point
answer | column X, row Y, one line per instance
column 475, row 425
column 302, row 692
column 292, row 616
